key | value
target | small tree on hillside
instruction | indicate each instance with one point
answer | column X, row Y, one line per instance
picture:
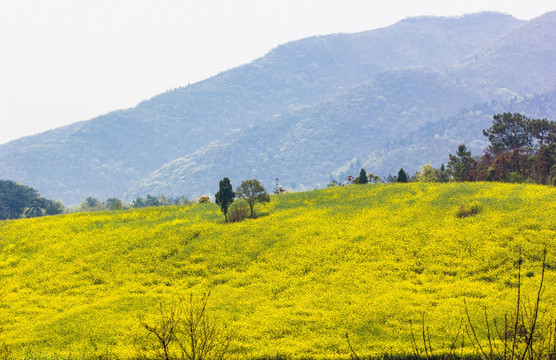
column 114, row 204
column 461, row 163
column 402, row 176
column 362, row 179
column 225, row 196
column 374, row 179
column 427, row 174
column 253, row 192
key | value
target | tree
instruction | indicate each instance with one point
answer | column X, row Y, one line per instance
column 508, row 132
column 186, row 330
column 391, row 178
column 402, row 176
column 182, row 200
column 15, row 198
column 541, row 130
column 427, row 174
column 139, row 202
column 374, row 179
column 114, row 204
column 253, row 192
column 52, row 207
column 461, row 163
column 443, row 174
column 362, row 179
column 91, row 204
column 35, row 209
column 152, row 201
column 225, row 196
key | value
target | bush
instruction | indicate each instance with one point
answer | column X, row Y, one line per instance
column 469, row 210
column 203, row 200
column 238, row 211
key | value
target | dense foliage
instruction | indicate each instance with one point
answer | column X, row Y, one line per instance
column 17, row 201
column 521, row 149
column 360, row 259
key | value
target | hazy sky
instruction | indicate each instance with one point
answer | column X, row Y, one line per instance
column 63, row 61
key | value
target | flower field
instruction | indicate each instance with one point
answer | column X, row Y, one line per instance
column 361, row 259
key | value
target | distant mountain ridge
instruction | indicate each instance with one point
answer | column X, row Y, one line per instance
column 119, row 153
column 357, row 128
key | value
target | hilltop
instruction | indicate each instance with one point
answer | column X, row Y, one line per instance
column 363, row 259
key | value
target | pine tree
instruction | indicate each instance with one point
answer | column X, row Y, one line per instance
column 402, row 176
column 363, row 177
column 225, row 196
column 461, row 163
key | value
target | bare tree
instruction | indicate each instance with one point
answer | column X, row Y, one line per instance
column 165, row 328
column 186, row 330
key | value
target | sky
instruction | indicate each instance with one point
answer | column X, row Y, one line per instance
column 63, row 61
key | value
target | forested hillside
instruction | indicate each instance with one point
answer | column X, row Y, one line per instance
column 374, row 125
column 105, row 156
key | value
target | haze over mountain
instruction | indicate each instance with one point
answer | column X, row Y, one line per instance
column 302, row 113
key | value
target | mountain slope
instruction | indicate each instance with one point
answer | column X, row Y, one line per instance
column 436, row 139
column 311, row 146
column 521, row 61
column 302, row 146
column 104, row 156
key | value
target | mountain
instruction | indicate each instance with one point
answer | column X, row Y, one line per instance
column 435, row 139
column 396, row 120
column 521, row 60
column 104, row 156
column 302, row 147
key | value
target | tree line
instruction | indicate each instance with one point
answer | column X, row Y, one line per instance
column 21, row 201
column 94, row 204
column 520, row 150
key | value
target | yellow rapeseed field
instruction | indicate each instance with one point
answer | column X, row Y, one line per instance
column 362, row 259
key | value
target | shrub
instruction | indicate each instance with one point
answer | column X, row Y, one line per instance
column 203, row 200
column 469, row 210
column 238, row 211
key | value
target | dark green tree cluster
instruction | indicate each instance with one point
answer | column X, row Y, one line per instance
column 21, row 201
column 520, row 150
column 252, row 191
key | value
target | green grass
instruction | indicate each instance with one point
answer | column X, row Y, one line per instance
column 362, row 259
